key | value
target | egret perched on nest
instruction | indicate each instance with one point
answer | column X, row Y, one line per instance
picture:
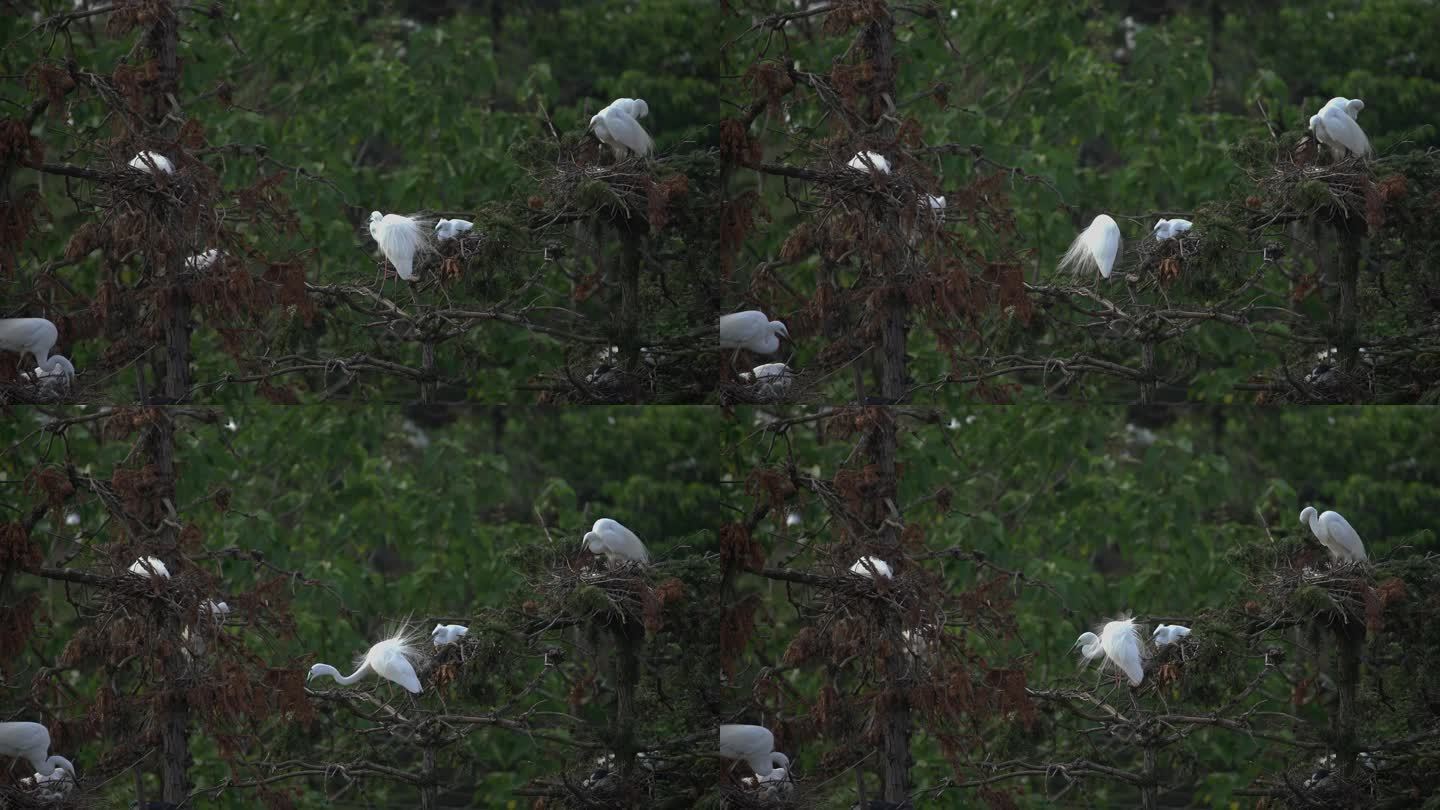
column 1169, row 634
column 771, row 379
column 751, row 330
column 1097, row 245
column 35, row 337
column 451, row 228
column 149, row 161
column 865, row 161
column 447, row 633
column 1335, row 533
column 31, row 741
column 1119, row 644
column 618, row 127
column 391, row 659
column 401, row 239
column 870, row 567
column 1336, row 127
column 1169, row 228
column 150, row 567
column 617, row 543
column 756, row 746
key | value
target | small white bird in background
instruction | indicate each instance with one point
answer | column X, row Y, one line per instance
column 1097, row 245
column 793, row 519
column 1169, row 228
column 31, row 742
column 1336, row 127
column 756, row 746
column 35, row 337
column 202, row 261
column 751, row 330
column 865, row 161
column 447, row 633
column 618, row 127
column 72, row 519
column 1334, row 533
column 401, row 239
column 218, row 610
column 1169, row 634
column 149, row 567
column 451, row 228
column 1119, row 644
column 870, row 566
column 772, row 379
column 145, row 160
column 390, row 659
column 617, row 543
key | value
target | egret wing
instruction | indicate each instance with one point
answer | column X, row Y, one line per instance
column 1103, row 238
column 1342, row 130
column 1121, row 641
column 392, row 665
column 1343, row 536
column 627, row 131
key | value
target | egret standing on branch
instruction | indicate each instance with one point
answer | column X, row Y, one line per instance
column 751, row 330
column 1335, row 533
column 756, row 746
column 36, row 337
column 1119, row 644
column 1097, row 245
column 390, row 659
column 31, row 741
column 617, row 543
column 618, row 127
column 401, row 239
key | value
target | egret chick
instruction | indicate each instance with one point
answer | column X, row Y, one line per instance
column 1119, row 644
column 1335, row 533
column 771, row 379
column 870, row 566
column 1169, row 634
column 1097, row 245
column 447, row 633
column 149, row 567
column 865, row 161
column 756, row 746
column 144, row 161
column 617, row 543
column 451, row 228
column 401, row 239
column 1170, row 228
column 31, row 742
column 751, row 330
column 35, row 337
column 1337, row 129
column 390, row 659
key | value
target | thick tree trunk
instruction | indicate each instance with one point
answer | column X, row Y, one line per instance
column 1349, row 314
column 627, row 678
column 630, row 300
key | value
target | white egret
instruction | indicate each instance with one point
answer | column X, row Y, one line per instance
column 218, row 610
column 751, row 330
column 390, row 659
column 31, row 741
column 49, row 788
column 401, row 239
column 447, row 633
column 35, row 337
column 1350, row 106
column 618, row 127
column 72, row 519
column 865, row 161
column 770, row 379
column 231, row 425
column 1169, row 634
column 149, row 567
column 756, row 746
column 1334, row 533
column 870, row 566
column 451, row 228
column 1334, row 127
column 1170, row 228
column 1097, row 245
column 617, row 543
column 793, row 519
column 202, row 261
column 1119, row 644
column 144, row 161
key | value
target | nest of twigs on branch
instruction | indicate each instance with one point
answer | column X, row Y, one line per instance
column 580, row 179
column 590, row 589
column 1297, row 582
column 749, row 795
column 52, row 390
column 1335, row 191
column 14, row 797
column 657, row 374
column 794, row 387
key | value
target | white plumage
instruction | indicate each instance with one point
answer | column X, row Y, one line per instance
column 865, row 161
column 35, row 337
column 618, row 127
column 202, row 261
column 1351, row 106
column 31, row 742
column 1169, row 228
column 751, row 330
column 1336, row 127
column 878, row 565
column 1097, row 245
column 755, row 745
column 143, row 161
column 218, row 610
column 1335, row 533
column 1169, row 634
column 49, row 788
column 149, row 567
column 447, row 633
column 451, row 228
column 401, row 239
column 390, row 659
column 1119, row 644
column 771, row 379
column 617, row 543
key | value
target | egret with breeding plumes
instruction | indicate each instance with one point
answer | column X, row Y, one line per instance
column 1335, row 533
column 756, row 746
column 35, row 337
column 752, row 330
column 1119, row 644
column 617, row 543
column 391, row 659
column 1169, row 634
column 870, row 567
column 401, row 239
column 447, row 633
column 31, row 742
column 1097, row 246
column 618, row 127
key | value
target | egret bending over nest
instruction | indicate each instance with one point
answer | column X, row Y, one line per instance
column 1169, row 634
column 751, row 330
column 1169, row 228
column 145, row 160
column 447, row 633
column 1097, row 245
column 150, row 567
column 390, row 659
column 1119, row 644
column 618, row 127
column 451, row 228
column 1335, row 533
column 35, row 337
column 870, row 566
column 865, row 161
column 1336, row 127
column 31, row 741
column 401, row 239
column 756, row 746
column 617, row 543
